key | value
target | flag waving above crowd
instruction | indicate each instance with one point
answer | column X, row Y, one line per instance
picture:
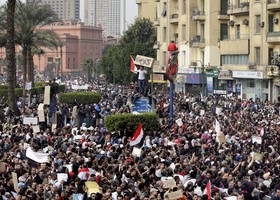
column 138, row 135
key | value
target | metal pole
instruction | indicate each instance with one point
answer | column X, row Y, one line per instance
column 203, row 89
column 171, row 102
column 152, row 90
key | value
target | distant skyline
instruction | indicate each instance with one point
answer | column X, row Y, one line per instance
column 131, row 10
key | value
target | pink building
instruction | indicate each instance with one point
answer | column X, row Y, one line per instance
column 79, row 42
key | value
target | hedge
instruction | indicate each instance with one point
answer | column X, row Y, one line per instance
column 34, row 91
column 79, row 97
column 130, row 122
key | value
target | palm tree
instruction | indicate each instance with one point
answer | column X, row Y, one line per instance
column 88, row 67
column 10, row 52
column 30, row 18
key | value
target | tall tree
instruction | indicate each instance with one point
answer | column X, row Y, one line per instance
column 30, row 17
column 10, row 52
column 137, row 40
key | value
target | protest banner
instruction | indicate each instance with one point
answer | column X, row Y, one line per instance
column 30, row 120
column 37, row 157
column 47, row 95
column 41, row 113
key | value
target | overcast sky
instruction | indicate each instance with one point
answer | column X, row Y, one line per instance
column 131, row 10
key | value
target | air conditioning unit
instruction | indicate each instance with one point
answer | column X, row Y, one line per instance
column 231, row 23
column 275, row 20
column 272, row 71
column 262, row 24
column 245, row 22
column 156, row 45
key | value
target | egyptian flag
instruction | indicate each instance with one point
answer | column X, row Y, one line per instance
column 138, row 135
column 132, row 65
column 208, row 190
column 262, row 131
column 85, row 173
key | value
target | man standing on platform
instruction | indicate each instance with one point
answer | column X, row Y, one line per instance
column 141, row 79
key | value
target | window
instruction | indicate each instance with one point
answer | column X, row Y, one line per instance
column 50, row 59
column 164, row 34
column 184, row 58
column 258, row 24
column 265, row 84
column 251, row 83
column 224, row 7
column 224, row 32
column 184, row 32
column 270, row 56
column 164, row 11
column 235, row 59
column 238, row 31
column 184, row 6
column 164, row 57
column 270, row 23
column 258, row 55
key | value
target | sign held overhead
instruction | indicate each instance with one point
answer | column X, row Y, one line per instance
column 144, row 61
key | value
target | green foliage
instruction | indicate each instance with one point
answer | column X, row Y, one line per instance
column 128, row 121
column 3, row 93
column 34, row 91
column 88, row 67
column 3, row 87
column 80, row 97
column 137, row 40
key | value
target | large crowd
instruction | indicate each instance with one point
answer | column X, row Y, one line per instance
column 223, row 146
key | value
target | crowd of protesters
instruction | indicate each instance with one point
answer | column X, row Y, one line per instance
column 225, row 144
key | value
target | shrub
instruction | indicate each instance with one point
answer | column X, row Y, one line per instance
column 3, row 87
column 2, row 115
column 129, row 122
column 3, row 93
column 61, row 88
column 79, row 97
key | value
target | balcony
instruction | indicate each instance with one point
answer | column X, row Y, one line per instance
column 273, row 5
column 174, row 19
column 223, row 15
column 139, row 1
column 235, row 44
column 156, row 21
column 198, row 15
column 239, row 9
column 273, row 37
column 198, row 42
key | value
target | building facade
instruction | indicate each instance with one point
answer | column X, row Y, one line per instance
column 79, row 42
column 225, row 47
column 66, row 9
column 109, row 14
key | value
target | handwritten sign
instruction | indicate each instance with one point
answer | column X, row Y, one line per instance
column 36, row 129
column 179, row 122
column 62, row 177
column 41, row 113
column 256, row 139
column 93, row 187
column 144, row 61
column 15, row 181
column 169, row 183
column 47, row 93
column 175, row 195
column 136, row 152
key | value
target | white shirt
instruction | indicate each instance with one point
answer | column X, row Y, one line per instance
column 141, row 74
